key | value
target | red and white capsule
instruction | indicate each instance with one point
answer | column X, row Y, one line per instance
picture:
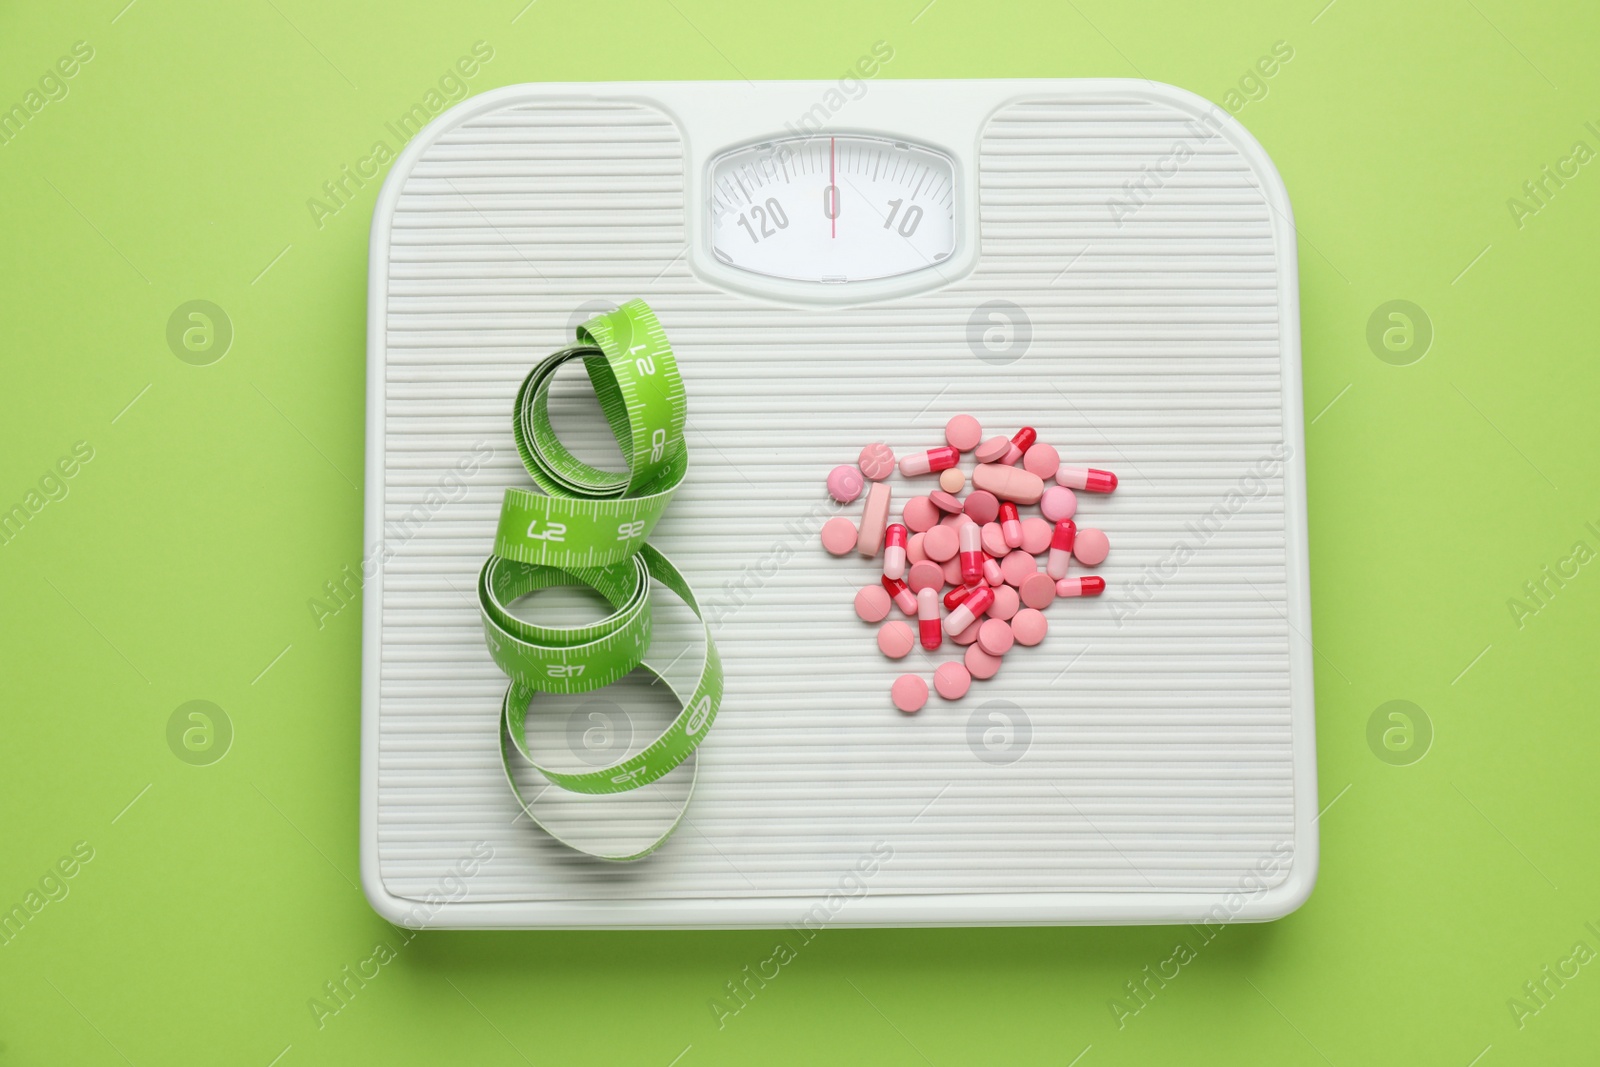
column 971, row 536
column 1087, row 479
column 1088, row 585
column 992, row 572
column 980, row 600
column 1019, row 444
column 1010, row 525
column 956, row 596
column 894, row 551
column 930, row 462
column 928, row 619
column 901, row 594
column 1061, row 542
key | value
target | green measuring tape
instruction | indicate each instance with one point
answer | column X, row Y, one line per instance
column 588, row 528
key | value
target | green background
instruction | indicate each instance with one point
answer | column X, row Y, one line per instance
column 220, row 898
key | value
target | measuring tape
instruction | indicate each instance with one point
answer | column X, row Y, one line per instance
column 588, row 528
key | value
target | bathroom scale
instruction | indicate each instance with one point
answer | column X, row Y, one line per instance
column 1111, row 262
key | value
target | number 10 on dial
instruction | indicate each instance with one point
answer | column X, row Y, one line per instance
column 833, row 209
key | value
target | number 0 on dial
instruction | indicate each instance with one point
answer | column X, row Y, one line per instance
column 839, row 209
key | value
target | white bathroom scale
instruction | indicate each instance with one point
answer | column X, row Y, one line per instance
column 1111, row 262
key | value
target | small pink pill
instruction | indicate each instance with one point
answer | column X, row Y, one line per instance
column 895, row 639
column 994, row 540
column 1008, row 483
column 914, row 552
column 872, row 603
column 952, row 680
column 1042, row 460
column 1091, row 547
column 1087, row 479
column 995, row 637
column 838, row 535
column 1029, row 627
column 1006, row 603
column 941, row 543
column 909, row 693
column 981, row 506
column 952, row 570
column 925, row 575
column 952, row 480
column 1037, row 590
column 1036, row 534
column 1017, row 566
column 845, row 484
column 969, row 635
column 993, row 450
column 919, row 514
column 980, row 664
column 963, row 433
column 945, row 502
column 1057, row 503
column 874, row 520
column 876, row 461
column 992, row 572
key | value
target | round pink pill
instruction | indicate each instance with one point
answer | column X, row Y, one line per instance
column 981, row 506
column 995, row 638
column 994, row 540
column 1016, row 568
column 952, row 680
column 1037, row 590
column 941, row 543
column 914, row 552
column 1042, row 460
column 895, row 639
column 993, row 450
column 963, row 433
column 945, row 502
column 955, row 522
column 1036, row 534
column 952, row 571
column 872, row 603
column 909, row 693
column 969, row 635
column 1029, row 627
column 1091, row 546
column 1057, row 503
column 919, row 514
column 838, row 535
column 845, row 484
column 1006, row 602
column 876, row 461
column 925, row 575
column 980, row 664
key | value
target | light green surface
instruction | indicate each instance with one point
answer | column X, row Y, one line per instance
column 179, row 564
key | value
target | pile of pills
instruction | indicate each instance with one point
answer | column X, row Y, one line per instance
column 979, row 545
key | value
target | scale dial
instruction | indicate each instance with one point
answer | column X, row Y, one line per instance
column 833, row 209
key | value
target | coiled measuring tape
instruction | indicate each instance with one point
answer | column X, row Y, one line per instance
column 588, row 528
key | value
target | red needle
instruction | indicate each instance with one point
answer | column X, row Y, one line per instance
column 833, row 188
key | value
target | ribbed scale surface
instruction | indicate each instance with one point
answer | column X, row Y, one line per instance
column 1159, row 751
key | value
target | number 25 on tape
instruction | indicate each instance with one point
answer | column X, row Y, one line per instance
column 554, row 531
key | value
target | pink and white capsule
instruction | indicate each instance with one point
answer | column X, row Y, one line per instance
column 966, row 613
column 894, row 551
column 930, row 462
column 992, row 572
column 1087, row 479
column 971, row 553
column 1019, row 444
column 1010, row 524
column 928, row 619
column 1088, row 585
column 901, row 593
column 1061, row 541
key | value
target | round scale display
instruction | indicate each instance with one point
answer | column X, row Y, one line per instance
column 832, row 209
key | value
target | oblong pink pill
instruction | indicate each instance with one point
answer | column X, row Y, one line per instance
column 952, row 680
column 1008, row 483
column 1036, row 534
column 993, row 450
column 925, row 575
column 1029, row 626
column 1057, row 503
column 941, row 543
column 963, row 433
column 980, row 664
column 919, row 514
column 981, row 506
column 1091, row 547
column 874, row 520
column 909, row 693
column 872, row 603
column 895, row 639
column 1006, row 603
column 838, row 535
column 1042, row 460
